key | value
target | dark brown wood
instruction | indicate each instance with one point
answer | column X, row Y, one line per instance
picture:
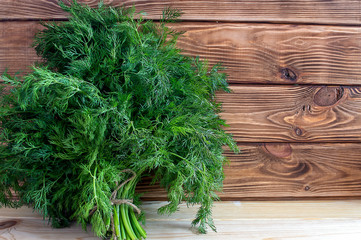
column 282, row 54
column 7, row 224
column 256, row 51
column 252, row 53
column 16, row 53
column 344, row 12
column 284, row 171
column 256, row 113
column 277, row 113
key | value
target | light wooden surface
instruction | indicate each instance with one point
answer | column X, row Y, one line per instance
column 283, row 170
column 252, row 53
column 301, row 220
column 346, row 12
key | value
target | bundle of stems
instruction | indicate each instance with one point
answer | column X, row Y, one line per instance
column 114, row 100
column 124, row 222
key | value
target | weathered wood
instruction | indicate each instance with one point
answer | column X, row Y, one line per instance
column 284, row 170
column 16, row 53
column 315, row 220
column 258, row 53
column 256, row 113
column 282, row 54
column 276, row 113
column 308, row 11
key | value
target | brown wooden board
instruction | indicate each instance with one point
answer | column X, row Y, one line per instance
column 252, row 53
column 256, row 113
column 284, row 170
column 16, row 53
column 282, row 54
column 277, row 113
column 343, row 12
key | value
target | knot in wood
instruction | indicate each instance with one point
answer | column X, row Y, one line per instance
column 298, row 131
column 7, row 224
column 328, row 96
column 280, row 150
column 288, row 74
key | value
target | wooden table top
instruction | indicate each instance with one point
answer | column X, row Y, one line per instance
column 248, row 220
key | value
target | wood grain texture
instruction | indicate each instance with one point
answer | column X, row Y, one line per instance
column 285, row 171
column 282, row 54
column 37, row 229
column 16, row 53
column 275, row 113
column 304, row 220
column 252, row 53
column 25, row 224
column 344, row 12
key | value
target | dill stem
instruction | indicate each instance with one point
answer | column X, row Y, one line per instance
column 116, row 222
column 122, row 230
column 125, row 218
column 137, row 225
column 132, row 224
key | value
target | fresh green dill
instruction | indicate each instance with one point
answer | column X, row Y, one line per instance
column 113, row 93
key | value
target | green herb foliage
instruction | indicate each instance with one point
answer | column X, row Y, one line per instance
column 114, row 93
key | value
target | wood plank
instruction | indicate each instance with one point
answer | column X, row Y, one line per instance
column 275, row 113
column 287, row 171
column 344, row 12
column 311, row 229
column 234, row 220
column 282, row 54
column 37, row 229
column 300, row 229
column 252, row 53
column 23, row 212
column 233, row 210
column 16, row 53
column 237, row 210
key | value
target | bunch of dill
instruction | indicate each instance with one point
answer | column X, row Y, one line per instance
column 114, row 100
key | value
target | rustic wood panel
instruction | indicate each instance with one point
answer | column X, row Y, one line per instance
column 277, row 113
column 315, row 220
column 308, row 11
column 282, row 54
column 284, row 170
column 16, row 53
column 258, row 53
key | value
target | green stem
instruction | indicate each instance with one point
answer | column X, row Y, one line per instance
column 132, row 224
column 125, row 218
column 137, row 225
column 116, row 222
column 94, row 185
column 122, row 230
column 107, row 223
column 129, row 225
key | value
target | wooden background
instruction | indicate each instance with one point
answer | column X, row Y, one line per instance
column 295, row 73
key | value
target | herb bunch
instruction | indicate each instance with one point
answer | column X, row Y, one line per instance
column 114, row 96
